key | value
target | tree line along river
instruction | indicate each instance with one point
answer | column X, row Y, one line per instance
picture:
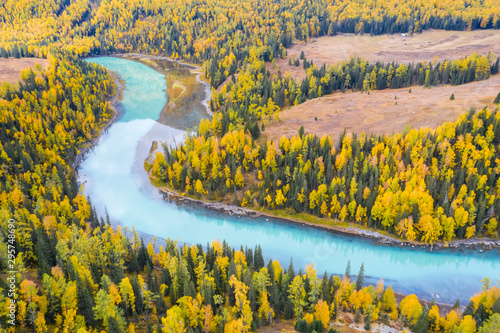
column 113, row 176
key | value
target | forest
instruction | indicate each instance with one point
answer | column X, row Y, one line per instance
column 78, row 274
column 257, row 96
column 219, row 34
column 75, row 273
column 421, row 185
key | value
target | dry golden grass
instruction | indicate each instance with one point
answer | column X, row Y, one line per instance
column 378, row 113
column 386, row 48
column 10, row 69
column 177, row 89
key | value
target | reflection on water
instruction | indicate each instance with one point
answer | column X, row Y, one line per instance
column 144, row 94
column 114, row 178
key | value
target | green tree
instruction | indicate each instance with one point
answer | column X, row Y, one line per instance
column 492, row 325
column 423, row 323
column 301, row 129
column 497, row 99
column 297, row 295
column 348, row 270
column 104, row 307
column 361, row 277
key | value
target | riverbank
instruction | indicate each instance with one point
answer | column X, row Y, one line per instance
column 330, row 225
column 344, row 228
column 444, row 306
column 208, row 94
column 113, row 104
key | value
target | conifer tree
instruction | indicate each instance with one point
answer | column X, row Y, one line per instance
column 361, row 277
column 348, row 270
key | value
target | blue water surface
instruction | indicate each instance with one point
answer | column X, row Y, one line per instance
column 114, row 177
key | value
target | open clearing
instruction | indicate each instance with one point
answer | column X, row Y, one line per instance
column 10, row 69
column 378, row 113
column 386, row 48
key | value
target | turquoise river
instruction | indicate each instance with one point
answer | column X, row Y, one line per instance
column 114, row 177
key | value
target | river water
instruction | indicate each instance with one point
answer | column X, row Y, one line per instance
column 114, row 177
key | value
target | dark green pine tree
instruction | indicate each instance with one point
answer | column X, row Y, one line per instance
column 139, row 302
column 325, row 291
column 43, row 267
column 274, row 298
column 142, row 257
column 108, row 221
column 357, row 317
column 497, row 99
column 495, row 67
column 291, row 271
column 249, row 253
column 15, row 52
column 335, row 311
column 270, row 270
column 288, row 309
column 217, row 279
column 166, row 279
column 113, row 326
column 348, row 270
column 423, row 323
column 116, row 269
column 481, row 315
column 3, row 53
column 307, row 284
column 85, row 302
column 496, row 306
column 469, row 310
column 361, row 277
column 258, row 259
column 301, row 325
column 248, row 281
column 368, row 321
column 133, row 265
column 230, row 272
column 301, row 131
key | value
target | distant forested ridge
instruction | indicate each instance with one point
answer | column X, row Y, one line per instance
column 220, row 34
